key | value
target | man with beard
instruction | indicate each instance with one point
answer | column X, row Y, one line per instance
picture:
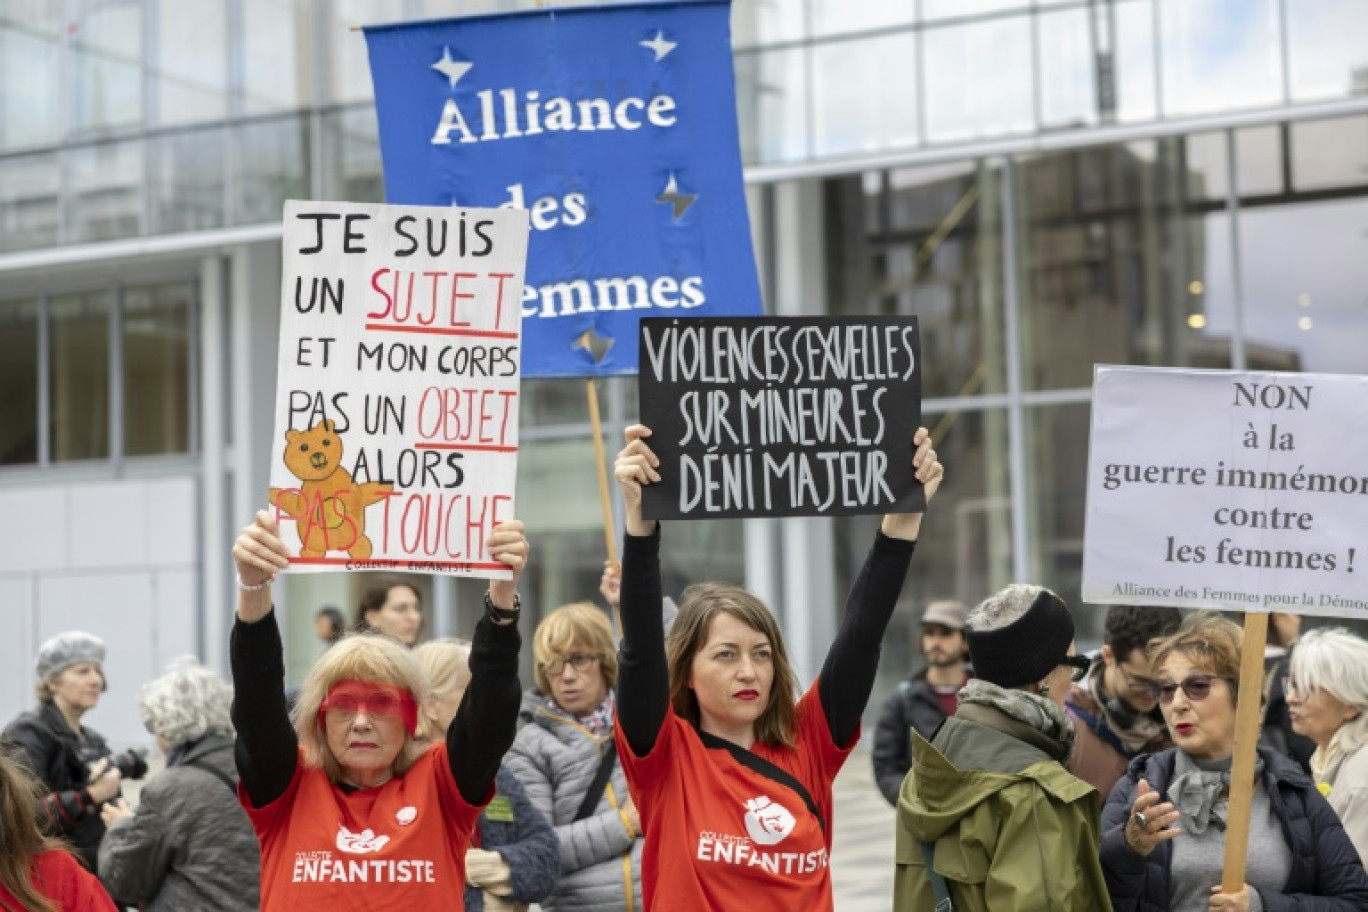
column 922, row 701
column 1112, row 708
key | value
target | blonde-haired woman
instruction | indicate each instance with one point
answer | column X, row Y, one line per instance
column 1327, row 695
column 733, row 777
column 515, row 859
column 351, row 809
column 566, row 759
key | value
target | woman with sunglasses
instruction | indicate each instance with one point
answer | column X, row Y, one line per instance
column 1163, row 829
column 351, row 809
column 565, row 758
column 989, row 817
column 1327, row 696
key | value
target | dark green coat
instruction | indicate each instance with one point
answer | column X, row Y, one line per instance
column 1013, row 830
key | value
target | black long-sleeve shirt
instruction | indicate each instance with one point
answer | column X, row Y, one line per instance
column 847, row 677
column 268, row 750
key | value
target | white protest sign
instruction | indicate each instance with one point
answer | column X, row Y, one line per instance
column 1223, row 489
column 396, row 425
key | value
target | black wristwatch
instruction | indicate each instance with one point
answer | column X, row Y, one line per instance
column 502, row 615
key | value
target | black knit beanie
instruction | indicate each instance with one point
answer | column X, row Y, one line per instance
column 1026, row 650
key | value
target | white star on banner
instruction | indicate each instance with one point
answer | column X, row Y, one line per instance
column 453, row 70
column 659, row 45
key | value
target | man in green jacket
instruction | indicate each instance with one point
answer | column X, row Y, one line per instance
column 1008, row 828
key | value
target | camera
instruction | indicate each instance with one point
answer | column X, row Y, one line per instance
column 131, row 763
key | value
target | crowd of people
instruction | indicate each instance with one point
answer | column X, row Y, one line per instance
column 677, row 764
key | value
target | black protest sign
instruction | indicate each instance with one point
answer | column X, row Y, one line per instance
column 781, row 416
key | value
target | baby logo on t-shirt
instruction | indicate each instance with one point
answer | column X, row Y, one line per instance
column 359, row 843
column 768, row 822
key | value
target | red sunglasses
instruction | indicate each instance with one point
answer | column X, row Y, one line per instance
column 380, row 701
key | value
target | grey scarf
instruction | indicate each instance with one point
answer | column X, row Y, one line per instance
column 1042, row 714
column 1200, row 791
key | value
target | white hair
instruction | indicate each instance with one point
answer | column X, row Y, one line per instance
column 1334, row 660
column 186, row 703
column 1003, row 607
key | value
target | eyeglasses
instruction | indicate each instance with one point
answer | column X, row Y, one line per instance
column 349, row 699
column 1080, row 666
column 580, row 661
column 1136, row 684
column 1197, row 687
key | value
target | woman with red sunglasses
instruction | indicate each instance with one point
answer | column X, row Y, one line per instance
column 1163, row 829
column 351, row 810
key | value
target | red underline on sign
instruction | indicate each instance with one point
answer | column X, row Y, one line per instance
column 471, row 447
column 440, row 331
column 400, row 563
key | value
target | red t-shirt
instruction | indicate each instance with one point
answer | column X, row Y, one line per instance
column 398, row 847
column 60, row 877
column 720, row 837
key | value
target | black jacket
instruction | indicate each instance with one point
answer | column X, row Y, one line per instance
column 912, row 707
column 59, row 758
column 1326, row 876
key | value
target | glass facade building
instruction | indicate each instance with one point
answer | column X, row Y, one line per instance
column 1047, row 185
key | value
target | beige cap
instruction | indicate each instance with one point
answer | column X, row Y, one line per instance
column 947, row 613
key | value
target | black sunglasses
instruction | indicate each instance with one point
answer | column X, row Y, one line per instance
column 1079, row 664
column 1197, row 687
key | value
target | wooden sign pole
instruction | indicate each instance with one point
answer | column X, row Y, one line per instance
column 1247, row 718
column 601, row 459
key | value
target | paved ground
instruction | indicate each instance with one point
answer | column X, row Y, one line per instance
column 862, row 856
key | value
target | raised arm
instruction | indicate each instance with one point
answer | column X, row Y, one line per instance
column 487, row 719
column 267, row 747
column 643, row 684
column 847, row 676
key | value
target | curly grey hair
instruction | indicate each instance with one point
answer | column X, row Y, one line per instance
column 186, row 703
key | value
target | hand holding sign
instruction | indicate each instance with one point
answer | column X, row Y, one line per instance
column 929, row 472
column 260, row 554
column 507, row 545
column 635, row 466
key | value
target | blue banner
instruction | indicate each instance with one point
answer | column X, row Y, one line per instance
column 615, row 127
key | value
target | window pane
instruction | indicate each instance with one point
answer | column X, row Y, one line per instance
column 1068, row 70
column 1305, row 274
column 767, row 21
column 1215, row 60
column 277, row 74
column 353, row 156
column 833, row 16
column 978, row 80
column 105, row 199
column 1121, row 262
column 273, row 158
column 79, row 377
column 190, row 81
column 865, row 94
column 156, row 358
column 1135, row 83
column 1056, row 439
column 30, row 73
column 1329, row 58
column 546, row 402
column 938, row 257
column 1259, row 160
column 1330, row 153
column 969, row 557
column 945, row 9
column 30, row 197
column 187, row 180
column 105, row 38
column 771, row 105
column 351, row 76
column 19, row 382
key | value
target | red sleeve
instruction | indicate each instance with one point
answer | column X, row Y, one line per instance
column 644, row 774
column 460, row 815
column 266, row 818
column 61, row 878
column 814, row 737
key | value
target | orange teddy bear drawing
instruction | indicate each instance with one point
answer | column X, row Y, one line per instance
column 329, row 510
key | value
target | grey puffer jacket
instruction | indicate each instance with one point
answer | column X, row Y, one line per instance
column 190, row 844
column 556, row 758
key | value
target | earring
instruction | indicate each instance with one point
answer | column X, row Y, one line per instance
column 1044, row 688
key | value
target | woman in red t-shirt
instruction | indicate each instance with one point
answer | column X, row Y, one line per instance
column 732, row 777
column 352, row 811
column 36, row 873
